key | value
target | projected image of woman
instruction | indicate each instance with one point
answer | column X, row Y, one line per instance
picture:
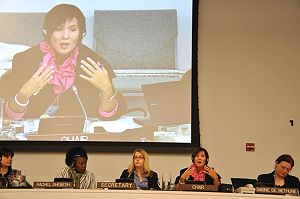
column 140, row 172
column 199, row 171
column 45, row 78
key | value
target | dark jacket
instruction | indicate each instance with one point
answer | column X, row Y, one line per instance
column 268, row 180
column 152, row 179
column 26, row 63
column 208, row 180
column 9, row 175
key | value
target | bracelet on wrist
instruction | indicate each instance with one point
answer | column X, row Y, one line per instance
column 19, row 103
column 112, row 97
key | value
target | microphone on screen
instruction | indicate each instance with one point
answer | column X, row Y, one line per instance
column 74, row 89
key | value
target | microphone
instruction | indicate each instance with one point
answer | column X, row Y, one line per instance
column 82, row 108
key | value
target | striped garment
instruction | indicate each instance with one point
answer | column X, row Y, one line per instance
column 87, row 180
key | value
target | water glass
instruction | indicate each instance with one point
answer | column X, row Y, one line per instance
column 8, row 133
column 17, row 179
column 166, row 181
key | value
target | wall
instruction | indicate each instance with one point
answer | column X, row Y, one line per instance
column 249, row 81
column 249, row 90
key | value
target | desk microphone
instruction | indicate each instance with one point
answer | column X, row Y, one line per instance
column 82, row 108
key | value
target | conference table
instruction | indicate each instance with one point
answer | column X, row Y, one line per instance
column 126, row 194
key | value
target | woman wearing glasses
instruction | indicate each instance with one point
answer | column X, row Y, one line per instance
column 139, row 171
column 280, row 176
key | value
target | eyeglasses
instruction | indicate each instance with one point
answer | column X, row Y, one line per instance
column 285, row 168
column 138, row 157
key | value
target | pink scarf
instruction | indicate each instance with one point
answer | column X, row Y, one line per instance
column 198, row 176
column 63, row 76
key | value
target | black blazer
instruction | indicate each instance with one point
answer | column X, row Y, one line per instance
column 208, row 180
column 268, row 180
column 26, row 63
column 9, row 174
column 152, row 179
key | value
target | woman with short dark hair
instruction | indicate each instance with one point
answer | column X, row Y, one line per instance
column 6, row 159
column 280, row 177
column 45, row 78
column 199, row 172
column 6, row 170
column 76, row 161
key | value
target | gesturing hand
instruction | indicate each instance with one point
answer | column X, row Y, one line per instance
column 211, row 171
column 37, row 81
column 186, row 174
column 97, row 75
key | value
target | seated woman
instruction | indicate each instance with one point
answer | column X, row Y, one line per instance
column 280, row 176
column 140, row 172
column 43, row 78
column 199, row 171
column 76, row 161
column 6, row 171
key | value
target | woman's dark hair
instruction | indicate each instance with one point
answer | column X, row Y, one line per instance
column 196, row 151
column 285, row 158
column 59, row 15
column 6, row 152
column 74, row 153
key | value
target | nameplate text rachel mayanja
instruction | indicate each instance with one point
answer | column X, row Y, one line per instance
column 53, row 185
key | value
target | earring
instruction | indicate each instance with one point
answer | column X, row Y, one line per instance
column 44, row 32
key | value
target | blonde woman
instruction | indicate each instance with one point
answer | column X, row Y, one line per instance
column 140, row 172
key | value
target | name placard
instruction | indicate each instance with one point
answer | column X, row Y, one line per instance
column 196, row 187
column 78, row 137
column 277, row 190
column 116, row 185
column 53, row 185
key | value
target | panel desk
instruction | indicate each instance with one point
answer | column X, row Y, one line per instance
column 126, row 194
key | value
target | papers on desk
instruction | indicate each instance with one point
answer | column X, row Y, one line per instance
column 115, row 126
column 123, row 128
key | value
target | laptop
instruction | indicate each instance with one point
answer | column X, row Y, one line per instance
column 124, row 180
column 61, row 125
column 63, row 180
column 168, row 103
column 241, row 182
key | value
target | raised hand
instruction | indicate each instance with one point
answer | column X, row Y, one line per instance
column 186, row 174
column 97, row 76
column 212, row 173
column 36, row 82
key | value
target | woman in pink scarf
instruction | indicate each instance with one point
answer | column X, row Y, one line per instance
column 199, row 172
column 44, row 77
